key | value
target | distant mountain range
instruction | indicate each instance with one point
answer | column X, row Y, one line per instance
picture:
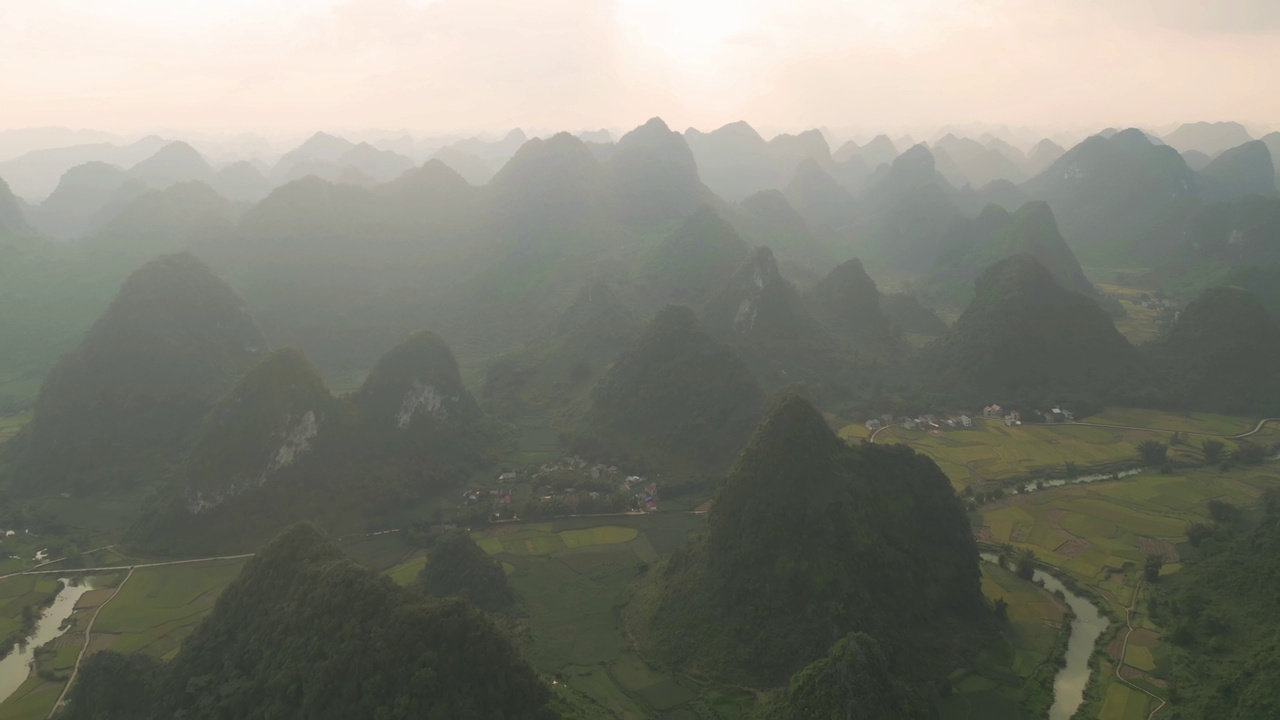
column 365, row 247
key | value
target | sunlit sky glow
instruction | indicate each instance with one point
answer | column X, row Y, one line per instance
column 441, row 65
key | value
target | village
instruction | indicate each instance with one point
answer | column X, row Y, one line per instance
column 992, row 412
column 570, row 486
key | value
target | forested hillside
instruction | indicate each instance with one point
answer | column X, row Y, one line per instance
column 809, row 538
column 304, row 632
column 124, row 405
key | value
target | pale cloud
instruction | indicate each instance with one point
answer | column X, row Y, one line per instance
column 492, row 64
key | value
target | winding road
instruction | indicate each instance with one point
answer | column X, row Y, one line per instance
column 1256, row 429
column 1124, row 646
column 88, row 631
column 116, row 568
column 88, row 634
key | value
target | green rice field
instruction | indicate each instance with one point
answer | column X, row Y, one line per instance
column 1100, row 535
column 989, row 452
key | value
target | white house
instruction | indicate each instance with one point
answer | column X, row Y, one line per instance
column 966, row 421
column 873, row 424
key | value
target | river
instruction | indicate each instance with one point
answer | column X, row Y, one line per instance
column 1037, row 485
column 16, row 666
column 1089, row 623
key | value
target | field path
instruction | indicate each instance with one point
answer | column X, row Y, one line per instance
column 1256, row 429
column 116, row 568
column 88, row 633
column 1124, row 647
column 878, row 430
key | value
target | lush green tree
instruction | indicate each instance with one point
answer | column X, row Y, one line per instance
column 1224, row 512
column 853, row 681
column 1220, row 612
column 1151, row 570
column 1024, row 563
column 1212, row 450
column 1001, row 609
column 1153, row 453
column 1249, row 453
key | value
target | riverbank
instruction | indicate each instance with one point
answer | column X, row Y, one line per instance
column 16, row 667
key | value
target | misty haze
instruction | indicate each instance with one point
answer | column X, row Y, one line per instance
column 639, row 359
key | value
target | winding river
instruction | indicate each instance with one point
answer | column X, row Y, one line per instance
column 1089, row 623
column 16, row 666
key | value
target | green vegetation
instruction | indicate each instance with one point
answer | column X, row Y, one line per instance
column 1139, row 321
column 126, row 402
column 1222, row 354
column 853, row 682
column 847, row 303
column 1106, row 538
column 904, row 216
column 675, row 396
column 314, row 635
column 1029, row 342
column 456, row 566
column 766, row 218
column 994, row 235
column 1231, row 242
column 1109, row 193
column 51, row 294
column 279, row 449
column 1220, row 614
column 695, row 260
column 159, row 607
column 807, row 536
column 22, row 597
column 759, row 314
column 247, row 438
column 1190, row 423
column 10, row 425
column 990, row 455
column 572, row 576
column 905, row 311
column 548, row 382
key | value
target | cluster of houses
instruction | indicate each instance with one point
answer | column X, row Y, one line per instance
column 558, row 481
column 992, row 412
column 500, row 496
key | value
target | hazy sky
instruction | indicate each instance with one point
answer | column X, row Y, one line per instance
column 492, row 64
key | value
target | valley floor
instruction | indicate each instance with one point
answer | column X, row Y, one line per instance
column 575, row 574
